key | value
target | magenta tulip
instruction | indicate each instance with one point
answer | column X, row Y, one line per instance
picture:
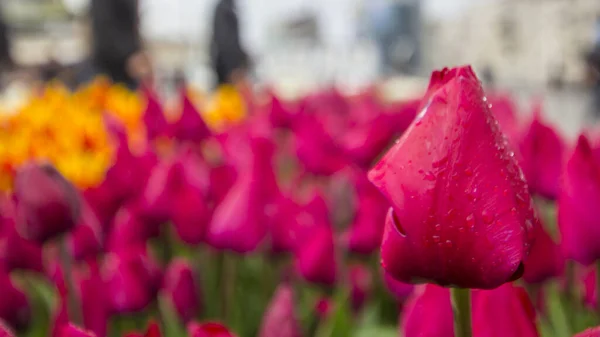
column 70, row 330
column 580, row 191
column 47, row 204
column 323, row 308
column 477, row 238
column 153, row 330
column 400, row 290
column 361, row 285
column 208, row 330
column 280, row 318
column 315, row 257
column 5, row 331
column 14, row 306
column 181, row 288
column 428, row 304
column 546, row 260
column 15, row 251
column 129, row 230
column 505, row 111
column 86, row 240
column 590, row 288
column 505, row 311
column 190, row 126
column 154, row 118
column 593, row 332
column 543, row 153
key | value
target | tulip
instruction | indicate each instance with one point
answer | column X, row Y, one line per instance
column 579, row 193
column 180, row 287
column 590, row 288
column 208, row 330
column 315, row 257
column 16, row 252
column 477, row 238
column 280, row 318
column 5, row 331
column 47, row 205
column 279, row 113
column 543, row 152
column 323, row 308
column 400, row 290
column 87, row 238
column 132, row 281
column 283, row 225
column 364, row 235
column 592, row 332
column 361, row 284
column 103, row 202
column 505, row 111
column 545, row 260
column 505, row 311
column 71, row 330
column 153, row 330
column 14, row 306
column 129, row 230
column 403, row 113
column 190, row 126
column 154, row 118
column 429, row 303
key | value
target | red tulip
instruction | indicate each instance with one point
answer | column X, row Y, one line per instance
column 323, row 308
column 477, row 238
column 280, row 318
column 543, row 152
column 5, row 331
column 47, row 204
column 103, row 202
column 545, row 260
column 579, row 194
column 132, row 280
column 14, row 306
column 208, row 330
column 593, row 332
column 505, row 311
column 181, row 288
column 190, row 126
column 71, row 330
column 429, row 304
column 361, row 285
column 315, row 257
column 505, row 111
column 154, row 118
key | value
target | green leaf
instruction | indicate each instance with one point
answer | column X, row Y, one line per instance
column 557, row 313
column 374, row 331
column 171, row 324
column 42, row 300
column 340, row 322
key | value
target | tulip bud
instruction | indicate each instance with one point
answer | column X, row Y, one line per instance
column 361, row 285
column 71, row 330
column 579, row 194
column 190, row 126
column 47, row 204
column 180, row 287
column 86, row 239
column 154, row 118
column 15, row 251
column 315, row 257
column 280, row 317
column 477, row 237
column 129, row 230
column 208, row 330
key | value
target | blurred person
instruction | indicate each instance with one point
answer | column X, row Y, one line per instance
column 116, row 43
column 228, row 57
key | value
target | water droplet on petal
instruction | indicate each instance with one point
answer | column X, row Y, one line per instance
column 430, row 176
column 471, row 221
column 513, row 211
column 487, row 217
column 438, row 227
column 436, row 238
column 448, row 244
column 468, row 172
column 528, row 225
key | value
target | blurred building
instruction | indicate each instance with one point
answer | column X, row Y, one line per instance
column 523, row 42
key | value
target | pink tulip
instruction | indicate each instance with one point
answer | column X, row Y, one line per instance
column 505, row 111
column 403, row 113
column 5, row 331
column 132, row 280
column 280, row 318
column 154, row 118
column 400, row 290
column 181, row 288
column 153, row 330
column 71, row 330
column 222, row 178
column 280, row 113
column 315, row 257
column 505, row 311
column 103, row 202
column 190, row 126
column 86, row 240
column 592, row 332
column 543, row 153
column 580, row 191
column 14, row 306
column 208, row 330
column 546, row 260
column 590, row 288
column 47, row 205
column 428, row 304
column 129, row 230
column 461, row 214
column 361, row 285
column 283, row 225
column 16, row 252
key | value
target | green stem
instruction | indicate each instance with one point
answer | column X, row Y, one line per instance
column 461, row 305
column 228, row 282
column 73, row 307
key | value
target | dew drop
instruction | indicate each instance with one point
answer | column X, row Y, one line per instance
column 438, row 227
column 505, row 192
column 528, row 225
column 436, row 238
column 461, row 229
column 429, row 176
column 468, row 172
column 419, row 122
column 471, row 221
column 487, row 217
column 448, row 244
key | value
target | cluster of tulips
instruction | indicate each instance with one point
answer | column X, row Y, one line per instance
column 327, row 215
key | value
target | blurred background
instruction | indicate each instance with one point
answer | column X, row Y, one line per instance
column 528, row 46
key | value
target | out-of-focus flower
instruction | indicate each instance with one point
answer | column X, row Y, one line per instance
column 543, row 152
column 545, row 260
column 280, row 317
column 47, row 204
column 129, row 230
column 504, row 109
column 315, row 257
column 400, row 290
column 71, row 330
column 225, row 108
column 208, row 329
column 5, row 331
column 429, row 304
column 86, row 239
column 323, row 308
column 590, row 288
column 361, row 284
column 190, row 126
column 505, row 311
column 579, row 193
column 153, row 330
column 154, row 118
column 14, row 306
column 132, row 280
column 180, row 287
column 592, row 332
column 477, row 238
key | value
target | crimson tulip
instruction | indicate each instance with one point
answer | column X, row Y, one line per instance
column 190, row 126
column 477, row 238
column 209, row 329
column 504, row 109
column 154, row 118
column 280, row 318
column 153, row 330
column 86, row 240
column 71, row 330
column 129, row 230
column 590, row 288
column 316, row 257
column 400, row 290
column 428, row 304
column 181, row 288
column 361, row 285
column 15, row 251
column 545, row 260
column 543, row 153
column 47, row 205
column 579, row 194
